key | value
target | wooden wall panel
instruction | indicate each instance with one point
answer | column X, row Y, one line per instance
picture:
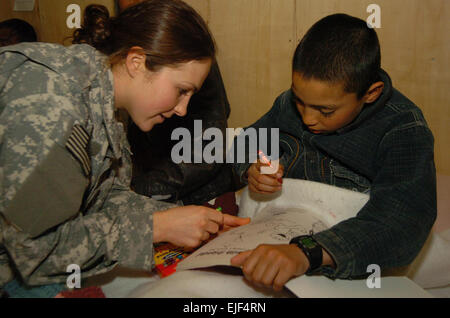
column 415, row 52
column 256, row 40
column 53, row 18
column 202, row 7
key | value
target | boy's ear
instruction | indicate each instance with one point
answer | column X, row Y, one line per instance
column 135, row 61
column 373, row 92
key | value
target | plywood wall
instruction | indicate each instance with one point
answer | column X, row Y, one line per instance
column 257, row 38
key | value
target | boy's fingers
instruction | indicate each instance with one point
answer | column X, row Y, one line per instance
column 259, row 164
column 265, row 179
column 253, row 171
column 272, row 187
column 257, row 168
column 254, row 190
column 281, row 279
column 268, row 179
column 240, row 259
column 280, row 172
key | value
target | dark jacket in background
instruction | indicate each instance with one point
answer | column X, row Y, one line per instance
column 154, row 172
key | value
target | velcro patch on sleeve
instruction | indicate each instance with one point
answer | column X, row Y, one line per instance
column 77, row 144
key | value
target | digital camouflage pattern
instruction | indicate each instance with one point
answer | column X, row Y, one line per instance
column 56, row 207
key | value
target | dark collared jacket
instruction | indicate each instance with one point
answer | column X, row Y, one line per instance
column 387, row 152
column 155, row 174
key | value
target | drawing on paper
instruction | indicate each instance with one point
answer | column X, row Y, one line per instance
column 273, row 225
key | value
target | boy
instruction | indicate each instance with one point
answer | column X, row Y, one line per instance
column 353, row 130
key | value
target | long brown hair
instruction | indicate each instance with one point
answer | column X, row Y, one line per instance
column 169, row 31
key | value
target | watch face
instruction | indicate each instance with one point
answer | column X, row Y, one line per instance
column 308, row 242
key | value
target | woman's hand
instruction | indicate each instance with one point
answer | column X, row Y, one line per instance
column 264, row 183
column 230, row 221
column 272, row 265
column 189, row 226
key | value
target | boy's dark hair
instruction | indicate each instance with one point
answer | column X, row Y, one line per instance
column 340, row 49
column 20, row 31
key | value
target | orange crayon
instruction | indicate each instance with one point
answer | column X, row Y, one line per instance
column 266, row 161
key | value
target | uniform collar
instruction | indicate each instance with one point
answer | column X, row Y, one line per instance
column 114, row 130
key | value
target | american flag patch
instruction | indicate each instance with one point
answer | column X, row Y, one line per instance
column 77, row 144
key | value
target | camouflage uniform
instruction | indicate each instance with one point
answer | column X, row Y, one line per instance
column 65, row 169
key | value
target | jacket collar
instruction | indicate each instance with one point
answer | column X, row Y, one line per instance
column 101, row 91
column 114, row 129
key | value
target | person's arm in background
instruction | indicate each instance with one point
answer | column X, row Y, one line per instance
column 155, row 173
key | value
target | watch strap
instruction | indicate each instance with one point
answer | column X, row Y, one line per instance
column 311, row 249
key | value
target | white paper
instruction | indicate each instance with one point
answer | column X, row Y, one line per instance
column 24, row 5
column 301, row 206
column 273, row 225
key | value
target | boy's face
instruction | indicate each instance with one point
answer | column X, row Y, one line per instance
column 325, row 107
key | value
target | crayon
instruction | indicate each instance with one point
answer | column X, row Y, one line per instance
column 266, row 161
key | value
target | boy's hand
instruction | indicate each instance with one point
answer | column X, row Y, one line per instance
column 264, row 183
column 272, row 265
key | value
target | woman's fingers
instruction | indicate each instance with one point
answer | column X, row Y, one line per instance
column 205, row 236
column 212, row 227
column 215, row 216
column 231, row 220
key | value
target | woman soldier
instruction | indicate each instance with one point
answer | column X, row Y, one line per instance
column 65, row 164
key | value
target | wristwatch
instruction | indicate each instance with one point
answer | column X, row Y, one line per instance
column 312, row 250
